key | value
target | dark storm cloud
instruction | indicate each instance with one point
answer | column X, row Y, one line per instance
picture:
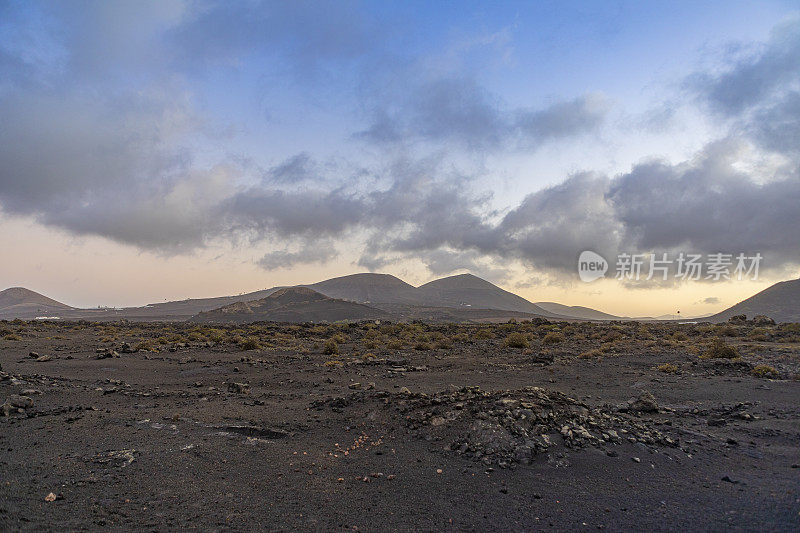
column 458, row 110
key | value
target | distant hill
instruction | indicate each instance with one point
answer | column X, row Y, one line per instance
column 781, row 302
column 466, row 290
column 291, row 304
column 19, row 302
column 192, row 306
column 577, row 311
column 369, row 288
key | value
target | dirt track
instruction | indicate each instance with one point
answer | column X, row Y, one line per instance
column 440, row 429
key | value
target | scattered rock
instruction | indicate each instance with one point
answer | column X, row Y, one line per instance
column 645, row 403
column 239, row 388
column 504, row 427
column 43, row 359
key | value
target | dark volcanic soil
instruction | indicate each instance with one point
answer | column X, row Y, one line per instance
column 409, row 427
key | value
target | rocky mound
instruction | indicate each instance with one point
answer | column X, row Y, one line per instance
column 510, row 427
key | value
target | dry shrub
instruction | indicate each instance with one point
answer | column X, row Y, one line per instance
column 719, row 349
column 553, row 338
column 516, row 340
column 764, row 371
column 331, row 347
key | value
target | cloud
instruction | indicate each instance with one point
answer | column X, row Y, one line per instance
column 754, row 79
column 457, row 110
column 711, row 300
column 102, row 135
column 760, row 92
column 308, row 253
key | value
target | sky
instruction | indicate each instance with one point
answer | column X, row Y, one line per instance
column 162, row 150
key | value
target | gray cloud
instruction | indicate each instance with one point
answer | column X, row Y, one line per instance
column 309, row 253
column 752, row 80
column 458, row 110
column 309, row 213
column 83, row 154
column 711, row 300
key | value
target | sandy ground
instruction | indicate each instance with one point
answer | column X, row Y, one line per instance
column 449, row 431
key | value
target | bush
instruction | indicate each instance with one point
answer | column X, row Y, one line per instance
column 669, row 368
column 423, row 346
column 330, row 348
column 553, row 338
column 13, row 337
column 718, row 349
column 764, row 371
column 590, row 354
column 395, row 344
column 516, row 340
column 250, row 343
column 483, row 334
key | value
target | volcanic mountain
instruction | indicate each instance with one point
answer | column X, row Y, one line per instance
column 466, row 290
column 369, row 288
column 781, row 302
column 291, row 304
column 19, row 302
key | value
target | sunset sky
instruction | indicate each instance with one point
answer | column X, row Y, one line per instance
column 173, row 149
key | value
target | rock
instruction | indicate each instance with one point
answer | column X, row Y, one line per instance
column 636, row 460
column 107, row 354
column 43, row 359
column 729, row 479
column 126, row 348
column 645, row 403
column 405, row 390
column 21, row 402
column 30, row 392
column 370, row 385
column 738, row 319
column 354, row 386
column 33, row 355
column 239, row 388
column 763, row 320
